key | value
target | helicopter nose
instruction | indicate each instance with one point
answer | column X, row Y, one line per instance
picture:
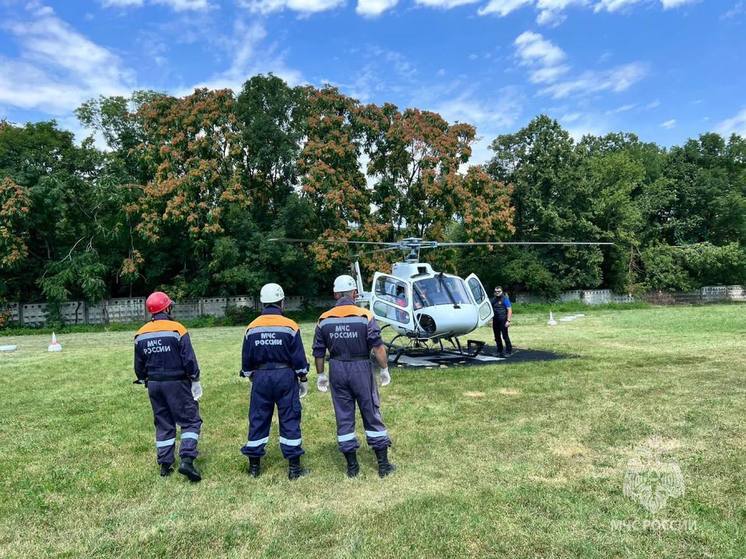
column 447, row 319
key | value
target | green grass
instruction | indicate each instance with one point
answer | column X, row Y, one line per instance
column 521, row 460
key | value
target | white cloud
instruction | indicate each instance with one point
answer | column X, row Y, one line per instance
column 373, row 8
column 621, row 109
column 616, row 80
column 653, row 104
column 303, row 6
column 549, row 74
column 585, row 126
column 734, row 125
column 669, row 124
column 177, row 5
column 490, row 116
column 57, row 68
column 618, row 5
column 121, row 3
column 249, row 59
column 542, row 56
column 381, row 73
column 667, row 4
column 569, row 118
column 736, row 11
column 444, row 4
column 532, row 48
column 499, row 113
column 552, row 12
column 614, row 5
column 503, row 7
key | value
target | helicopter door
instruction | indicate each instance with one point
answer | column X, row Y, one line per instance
column 391, row 301
column 480, row 298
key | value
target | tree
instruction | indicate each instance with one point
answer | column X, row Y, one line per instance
column 271, row 119
column 551, row 202
column 55, row 181
column 191, row 142
column 333, row 182
column 15, row 204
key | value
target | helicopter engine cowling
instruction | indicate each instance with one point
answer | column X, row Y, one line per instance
column 446, row 320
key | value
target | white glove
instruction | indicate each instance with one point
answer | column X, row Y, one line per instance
column 322, row 383
column 385, row 377
column 196, row 389
column 303, row 388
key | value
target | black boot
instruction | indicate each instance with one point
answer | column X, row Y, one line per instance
column 353, row 468
column 166, row 470
column 187, row 469
column 254, row 466
column 384, row 466
column 295, row 470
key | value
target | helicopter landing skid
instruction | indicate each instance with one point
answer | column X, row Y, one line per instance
column 428, row 347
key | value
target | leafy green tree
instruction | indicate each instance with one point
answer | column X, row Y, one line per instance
column 551, row 202
column 271, row 124
column 55, row 179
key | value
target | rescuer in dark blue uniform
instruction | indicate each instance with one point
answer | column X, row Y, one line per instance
column 501, row 322
column 274, row 359
column 349, row 333
column 165, row 363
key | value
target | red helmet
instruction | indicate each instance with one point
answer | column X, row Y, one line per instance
column 158, row 301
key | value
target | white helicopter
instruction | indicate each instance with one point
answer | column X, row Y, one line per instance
column 425, row 307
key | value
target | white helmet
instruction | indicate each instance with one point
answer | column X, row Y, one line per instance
column 344, row 283
column 271, row 293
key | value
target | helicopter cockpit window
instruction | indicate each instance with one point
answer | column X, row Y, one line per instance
column 384, row 310
column 391, row 290
column 476, row 290
column 439, row 290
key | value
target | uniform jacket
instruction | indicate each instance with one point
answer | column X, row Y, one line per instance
column 273, row 341
column 163, row 351
column 347, row 331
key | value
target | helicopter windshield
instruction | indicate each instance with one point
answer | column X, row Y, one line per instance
column 435, row 291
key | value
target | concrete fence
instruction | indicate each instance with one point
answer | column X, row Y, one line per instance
column 133, row 309
column 710, row 294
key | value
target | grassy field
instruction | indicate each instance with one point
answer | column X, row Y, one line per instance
column 517, row 460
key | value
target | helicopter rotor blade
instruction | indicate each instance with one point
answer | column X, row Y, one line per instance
column 524, row 243
column 334, row 241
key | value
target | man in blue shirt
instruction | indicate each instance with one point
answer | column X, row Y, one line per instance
column 501, row 321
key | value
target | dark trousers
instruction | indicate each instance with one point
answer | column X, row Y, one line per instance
column 352, row 383
column 270, row 388
column 173, row 405
column 500, row 330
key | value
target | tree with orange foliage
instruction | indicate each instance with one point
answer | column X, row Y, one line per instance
column 332, row 178
column 15, row 204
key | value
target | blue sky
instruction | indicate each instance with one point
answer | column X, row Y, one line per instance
column 664, row 69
